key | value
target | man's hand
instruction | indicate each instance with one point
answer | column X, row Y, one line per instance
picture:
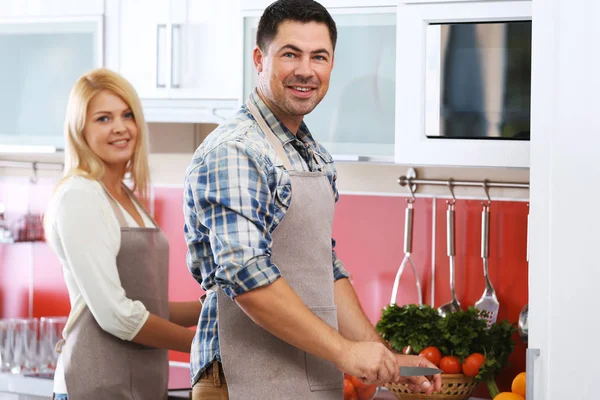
column 418, row 384
column 371, row 362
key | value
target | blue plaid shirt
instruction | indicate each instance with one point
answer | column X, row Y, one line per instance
column 236, row 193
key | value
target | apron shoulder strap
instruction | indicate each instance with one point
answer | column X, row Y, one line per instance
column 115, row 207
column 270, row 136
column 135, row 200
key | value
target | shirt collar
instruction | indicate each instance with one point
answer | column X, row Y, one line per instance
column 278, row 128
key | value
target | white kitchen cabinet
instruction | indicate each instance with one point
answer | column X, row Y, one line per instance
column 182, row 56
column 355, row 120
column 419, row 94
column 144, row 52
column 448, row 1
column 50, row 8
column 181, row 49
column 42, row 58
column 206, row 46
column 262, row 4
column 563, row 272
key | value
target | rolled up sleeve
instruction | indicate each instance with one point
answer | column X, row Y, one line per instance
column 234, row 201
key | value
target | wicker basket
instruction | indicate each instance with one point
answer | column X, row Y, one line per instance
column 454, row 387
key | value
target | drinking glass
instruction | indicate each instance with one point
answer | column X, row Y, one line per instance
column 50, row 333
column 25, row 356
column 6, row 344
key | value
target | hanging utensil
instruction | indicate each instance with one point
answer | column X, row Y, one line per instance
column 488, row 301
column 408, row 228
column 453, row 305
column 524, row 315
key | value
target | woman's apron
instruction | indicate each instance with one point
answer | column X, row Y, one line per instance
column 100, row 366
column 257, row 365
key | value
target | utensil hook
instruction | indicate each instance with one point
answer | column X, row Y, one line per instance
column 34, row 178
column 486, row 188
column 412, row 194
column 451, row 188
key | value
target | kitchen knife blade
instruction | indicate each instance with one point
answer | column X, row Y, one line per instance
column 418, row 371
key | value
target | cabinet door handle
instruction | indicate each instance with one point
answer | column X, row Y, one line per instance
column 159, row 73
column 175, row 55
column 532, row 354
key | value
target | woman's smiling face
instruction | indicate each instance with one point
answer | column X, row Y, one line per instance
column 110, row 129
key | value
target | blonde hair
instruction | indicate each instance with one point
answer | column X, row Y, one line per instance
column 80, row 159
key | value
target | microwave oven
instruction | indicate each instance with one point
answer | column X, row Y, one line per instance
column 463, row 84
column 478, row 80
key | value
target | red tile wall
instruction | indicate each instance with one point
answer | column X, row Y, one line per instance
column 369, row 233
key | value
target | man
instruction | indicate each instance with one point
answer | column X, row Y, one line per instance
column 281, row 318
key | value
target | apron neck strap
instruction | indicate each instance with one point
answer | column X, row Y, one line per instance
column 115, row 207
column 134, row 198
column 271, row 138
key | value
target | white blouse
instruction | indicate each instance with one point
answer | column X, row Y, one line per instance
column 86, row 236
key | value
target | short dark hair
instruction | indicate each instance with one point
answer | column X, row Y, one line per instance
column 292, row 10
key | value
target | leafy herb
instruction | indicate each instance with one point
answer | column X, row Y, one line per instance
column 463, row 332
column 497, row 347
column 410, row 325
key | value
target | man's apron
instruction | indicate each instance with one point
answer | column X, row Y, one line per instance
column 100, row 366
column 257, row 365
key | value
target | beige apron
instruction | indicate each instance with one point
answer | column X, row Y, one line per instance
column 100, row 366
column 257, row 365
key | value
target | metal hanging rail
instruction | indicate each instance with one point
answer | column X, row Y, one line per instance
column 411, row 182
column 35, row 165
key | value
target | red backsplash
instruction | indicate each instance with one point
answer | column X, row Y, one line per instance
column 369, row 233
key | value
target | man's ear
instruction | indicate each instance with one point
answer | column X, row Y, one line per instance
column 258, row 58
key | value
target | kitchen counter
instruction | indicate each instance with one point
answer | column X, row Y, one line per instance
column 21, row 387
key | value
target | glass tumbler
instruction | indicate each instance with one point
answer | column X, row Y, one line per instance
column 7, row 338
column 25, row 356
column 50, row 333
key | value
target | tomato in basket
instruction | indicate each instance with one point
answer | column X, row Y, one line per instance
column 450, row 365
column 432, row 354
column 354, row 389
column 472, row 364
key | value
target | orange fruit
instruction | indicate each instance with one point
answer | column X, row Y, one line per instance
column 519, row 384
column 509, row 396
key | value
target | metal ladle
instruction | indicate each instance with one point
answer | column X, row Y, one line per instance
column 453, row 305
column 524, row 315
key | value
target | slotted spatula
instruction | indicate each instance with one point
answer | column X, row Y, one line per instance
column 488, row 301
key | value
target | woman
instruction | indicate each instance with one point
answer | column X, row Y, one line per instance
column 114, row 257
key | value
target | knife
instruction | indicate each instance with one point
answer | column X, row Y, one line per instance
column 419, row 371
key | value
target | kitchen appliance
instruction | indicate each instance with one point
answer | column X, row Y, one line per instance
column 478, row 82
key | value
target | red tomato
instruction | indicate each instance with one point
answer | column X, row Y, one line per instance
column 367, row 392
column 432, row 354
column 358, row 385
column 472, row 364
column 348, row 389
column 450, row 365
